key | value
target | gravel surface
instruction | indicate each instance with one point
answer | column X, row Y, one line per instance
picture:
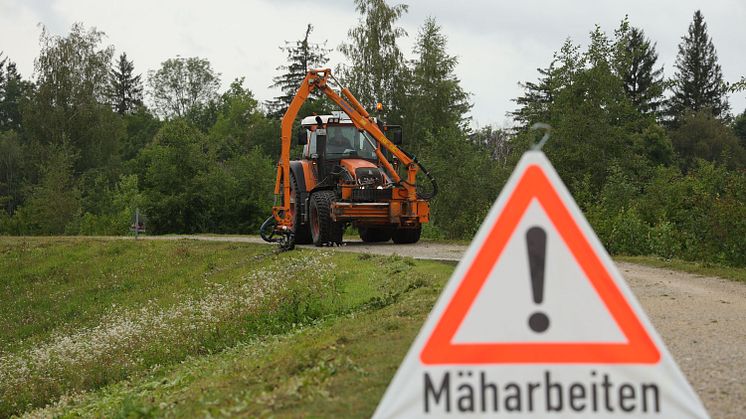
column 701, row 319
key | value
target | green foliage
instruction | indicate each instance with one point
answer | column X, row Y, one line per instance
column 592, row 118
column 693, row 216
column 142, row 126
column 182, row 85
column 116, row 209
column 654, row 144
column 700, row 135
column 188, row 187
column 739, row 128
column 236, row 194
column 169, row 166
column 468, row 182
column 11, row 171
column 55, row 201
column 240, row 126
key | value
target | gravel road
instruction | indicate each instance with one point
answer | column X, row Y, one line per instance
column 701, row 319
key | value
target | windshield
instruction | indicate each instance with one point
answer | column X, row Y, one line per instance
column 347, row 141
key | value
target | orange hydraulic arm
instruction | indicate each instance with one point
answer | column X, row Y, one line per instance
column 318, row 80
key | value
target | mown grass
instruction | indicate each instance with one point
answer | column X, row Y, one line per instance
column 120, row 328
column 699, row 268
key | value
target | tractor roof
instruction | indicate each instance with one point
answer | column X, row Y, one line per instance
column 341, row 116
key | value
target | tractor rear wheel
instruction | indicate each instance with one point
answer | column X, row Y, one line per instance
column 324, row 230
column 406, row 235
column 374, row 234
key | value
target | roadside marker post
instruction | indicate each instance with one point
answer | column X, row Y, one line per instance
column 537, row 321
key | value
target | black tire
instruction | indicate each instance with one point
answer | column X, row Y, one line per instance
column 374, row 234
column 406, row 235
column 302, row 231
column 323, row 229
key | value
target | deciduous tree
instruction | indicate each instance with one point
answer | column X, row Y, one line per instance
column 377, row 70
column 70, row 105
column 181, row 85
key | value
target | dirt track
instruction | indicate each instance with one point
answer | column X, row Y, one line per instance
column 701, row 319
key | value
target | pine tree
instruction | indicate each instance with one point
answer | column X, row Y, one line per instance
column 698, row 81
column 377, row 71
column 436, row 99
column 634, row 62
column 126, row 89
column 301, row 57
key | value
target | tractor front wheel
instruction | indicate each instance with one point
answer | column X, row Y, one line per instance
column 374, row 234
column 406, row 235
column 324, row 230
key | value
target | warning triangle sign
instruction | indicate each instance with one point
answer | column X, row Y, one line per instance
column 536, row 319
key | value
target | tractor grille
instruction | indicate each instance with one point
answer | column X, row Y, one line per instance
column 371, row 195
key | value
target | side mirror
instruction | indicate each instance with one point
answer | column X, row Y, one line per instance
column 394, row 133
column 397, row 138
column 302, row 136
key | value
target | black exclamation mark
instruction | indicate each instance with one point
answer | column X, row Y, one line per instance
column 536, row 242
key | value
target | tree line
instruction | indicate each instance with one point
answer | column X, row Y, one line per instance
column 657, row 164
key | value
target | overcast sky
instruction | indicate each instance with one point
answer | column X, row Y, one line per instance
column 498, row 43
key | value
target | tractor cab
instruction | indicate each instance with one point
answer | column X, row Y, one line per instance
column 339, row 140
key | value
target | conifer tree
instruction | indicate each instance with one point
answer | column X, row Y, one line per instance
column 436, row 98
column 698, row 81
column 126, row 88
column 535, row 104
column 301, row 56
column 13, row 90
column 635, row 61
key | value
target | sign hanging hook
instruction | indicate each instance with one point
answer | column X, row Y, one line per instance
column 547, row 131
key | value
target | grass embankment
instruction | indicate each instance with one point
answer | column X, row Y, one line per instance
column 118, row 328
column 699, row 268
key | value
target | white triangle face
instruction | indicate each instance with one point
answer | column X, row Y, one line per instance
column 597, row 355
column 502, row 308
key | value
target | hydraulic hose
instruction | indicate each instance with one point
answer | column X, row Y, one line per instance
column 430, row 177
column 267, row 230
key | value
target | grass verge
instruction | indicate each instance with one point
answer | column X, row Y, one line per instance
column 705, row 269
column 186, row 327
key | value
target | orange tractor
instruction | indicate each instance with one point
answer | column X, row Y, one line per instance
column 345, row 176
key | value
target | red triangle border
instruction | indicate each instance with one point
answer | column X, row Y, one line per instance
column 534, row 184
